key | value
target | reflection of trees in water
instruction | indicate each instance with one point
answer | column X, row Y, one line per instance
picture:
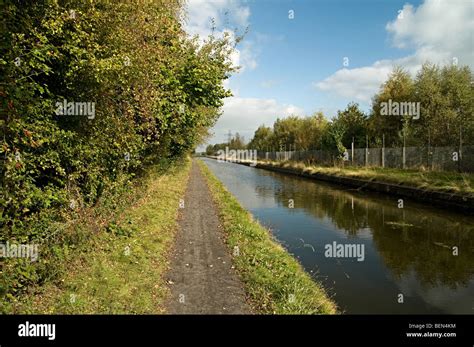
column 406, row 239
column 426, row 247
column 322, row 202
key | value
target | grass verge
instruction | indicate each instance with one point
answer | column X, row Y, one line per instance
column 449, row 182
column 120, row 268
column 274, row 281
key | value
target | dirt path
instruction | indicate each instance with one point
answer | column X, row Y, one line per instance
column 202, row 280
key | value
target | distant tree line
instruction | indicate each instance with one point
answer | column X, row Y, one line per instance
column 235, row 142
column 435, row 108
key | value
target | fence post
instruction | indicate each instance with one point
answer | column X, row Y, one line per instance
column 403, row 150
column 352, row 154
column 430, row 164
column 383, row 150
column 460, row 149
column 366, row 150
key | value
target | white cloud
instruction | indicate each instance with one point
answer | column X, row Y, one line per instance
column 357, row 84
column 440, row 24
column 247, row 56
column 241, row 115
column 438, row 31
column 202, row 15
column 245, row 115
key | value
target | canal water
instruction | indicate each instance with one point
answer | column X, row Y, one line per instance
column 416, row 259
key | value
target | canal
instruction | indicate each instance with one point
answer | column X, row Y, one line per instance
column 416, row 259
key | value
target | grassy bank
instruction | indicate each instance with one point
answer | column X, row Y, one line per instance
column 119, row 268
column 274, row 280
column 450, row 182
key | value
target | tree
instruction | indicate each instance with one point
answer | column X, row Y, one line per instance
column 398, row 88
column 428, row 91
column 311, row 132
column 262, row 139
column 458, row 89
column 333, row 138
column 155, row 91
column 285, row 132
column 446, row 99
column 354, row 123
column 237, row 142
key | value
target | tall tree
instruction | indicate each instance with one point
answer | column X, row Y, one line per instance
column 262, row 139
column 354, row 123
column 311, row 132
column 398, row 88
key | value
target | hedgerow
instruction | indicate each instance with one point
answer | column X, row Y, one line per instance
column 155, row 91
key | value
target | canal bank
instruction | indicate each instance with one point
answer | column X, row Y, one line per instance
column 274, row 281
column 415, row 260
column 463, row 203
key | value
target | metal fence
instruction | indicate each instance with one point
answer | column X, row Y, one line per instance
column 433, row 158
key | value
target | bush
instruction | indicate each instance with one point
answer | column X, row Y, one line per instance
column 151, row 91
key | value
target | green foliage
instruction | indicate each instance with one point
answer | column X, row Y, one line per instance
column 311, row 132
column 285, row 132
column 120, row 230
column 333, row 138
column 155, row 90
column 300, row 133
column 398, row 88
column 262, row 139
column 118, row 274
column 354, row 123
column 446, row 98
column 236, row 142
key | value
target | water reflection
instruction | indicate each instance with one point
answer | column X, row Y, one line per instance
column 409, row 238
column 408, row 250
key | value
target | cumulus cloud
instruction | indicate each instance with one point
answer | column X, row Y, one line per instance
column 241, row 115
column 203, row 15
column 357, row 84
column 438, row 31
column 445, row 26
column 245, row 115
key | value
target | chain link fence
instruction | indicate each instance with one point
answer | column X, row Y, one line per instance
column 432, row 158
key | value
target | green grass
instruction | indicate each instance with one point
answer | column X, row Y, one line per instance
column 451, row 182
column 120, row 269
column 274, row 281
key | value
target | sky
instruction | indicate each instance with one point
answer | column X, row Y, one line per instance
column 304, row 56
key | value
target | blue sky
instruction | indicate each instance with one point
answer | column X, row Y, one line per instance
column 293, row 53
column 295, row 66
